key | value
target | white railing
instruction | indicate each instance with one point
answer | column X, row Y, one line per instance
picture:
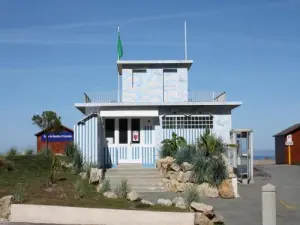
column 193, row 96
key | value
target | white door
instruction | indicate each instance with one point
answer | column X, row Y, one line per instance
column 129, row 149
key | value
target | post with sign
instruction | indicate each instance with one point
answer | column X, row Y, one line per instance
column 289, row 142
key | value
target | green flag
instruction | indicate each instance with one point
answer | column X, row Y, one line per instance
column 120, row 47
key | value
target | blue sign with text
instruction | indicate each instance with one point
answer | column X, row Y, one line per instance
column 57, row 137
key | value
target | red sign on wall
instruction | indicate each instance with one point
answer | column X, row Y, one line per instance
column 135, row 136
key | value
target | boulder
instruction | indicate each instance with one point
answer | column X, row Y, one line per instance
column 218, row 219
column 83, row 175
column 163, row 171
column 207, row 210
column 189, row 176
column 180, row 204
column 205, row 189
column 177, row 199
column 169, row 160
column 146, row 202
column 201, row 219
column 95, row 176
column 164, row 165
column 175, row 167
column 180, row 176
column 171, row 175
column 226, row 190
column 166, row 180
column 158, row 163
column 133, row 196
column 175, row 186
column 98, row 188
column 165, row 202
column 110, row 194
column 5, row 204
column 186, row 167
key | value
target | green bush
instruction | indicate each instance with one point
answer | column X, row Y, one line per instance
column 185, row 154
column 6, row 165
column 12, row 152
column 171, row 146
column 191, row 195
column 46, row 152
column 28, row 152
column 123, row 189
column 105, row 186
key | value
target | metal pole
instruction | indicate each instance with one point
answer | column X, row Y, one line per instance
column 118, row 73
column 185, row 41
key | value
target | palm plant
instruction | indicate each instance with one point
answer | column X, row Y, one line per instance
column 209, row 165
column 171, row 146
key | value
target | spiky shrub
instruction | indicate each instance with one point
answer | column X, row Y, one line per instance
column 123, row 189
column 79, row 189
column 209, row 165
column 19, row 195
column 78, row 163
column 105, row 186
column 12, row 152
column 70, row 151
column 191, row 195
column 28, row 152
column 185, row 154
column 87, row 168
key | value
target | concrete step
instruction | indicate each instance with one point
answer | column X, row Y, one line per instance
column 130, row 165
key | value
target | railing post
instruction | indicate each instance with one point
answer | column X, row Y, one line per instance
column 269, row 204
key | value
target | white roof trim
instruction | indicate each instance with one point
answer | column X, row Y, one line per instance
column 129, row 113
column 95, row 104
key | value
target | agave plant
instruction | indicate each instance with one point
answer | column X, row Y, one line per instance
column 171, row 146
column 210, row 144
column 185, row 154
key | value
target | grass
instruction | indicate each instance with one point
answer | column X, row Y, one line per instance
column 32, row 174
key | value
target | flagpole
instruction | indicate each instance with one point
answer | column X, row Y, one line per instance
column 185, row 42
column 118, row 74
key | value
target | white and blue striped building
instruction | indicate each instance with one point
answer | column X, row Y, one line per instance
column 154, row 101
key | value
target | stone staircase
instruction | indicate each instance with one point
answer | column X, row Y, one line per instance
column 141, row 179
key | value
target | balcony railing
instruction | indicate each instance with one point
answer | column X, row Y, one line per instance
column 193, row 96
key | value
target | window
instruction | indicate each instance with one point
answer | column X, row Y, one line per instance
column 123, row 127
column 187, row 122
column 135, row 127
column 110, row 130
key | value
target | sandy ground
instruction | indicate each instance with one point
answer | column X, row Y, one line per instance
column 264, row 162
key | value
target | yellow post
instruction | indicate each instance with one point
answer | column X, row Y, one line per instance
column 289, row 152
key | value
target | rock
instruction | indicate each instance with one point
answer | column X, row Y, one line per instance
column 207, row 210
column 166, row 180
column 175, row 186
column 231, row 175
column 110, row 194
column 201, row 219
column 175, row 167
column 163, row 171
column 177, row 199
column 166, row 202
column 186, row 167
column 83, row 175
column 3, row 221
column 218, row 219
column 169, row 160
column 226, row 190
column 180, row 176
column 180, row 204
column 189, row 176
column 206, row 190
column 5, row 204
column 133, row 196
column 146, row 202
column 95, row 176
column 165, row 165
column 171, row 175
column 158, row 164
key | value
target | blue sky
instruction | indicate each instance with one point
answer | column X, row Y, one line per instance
column 51, row 52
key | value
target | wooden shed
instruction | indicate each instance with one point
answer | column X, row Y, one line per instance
column 57, row 141
column 281, row 150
